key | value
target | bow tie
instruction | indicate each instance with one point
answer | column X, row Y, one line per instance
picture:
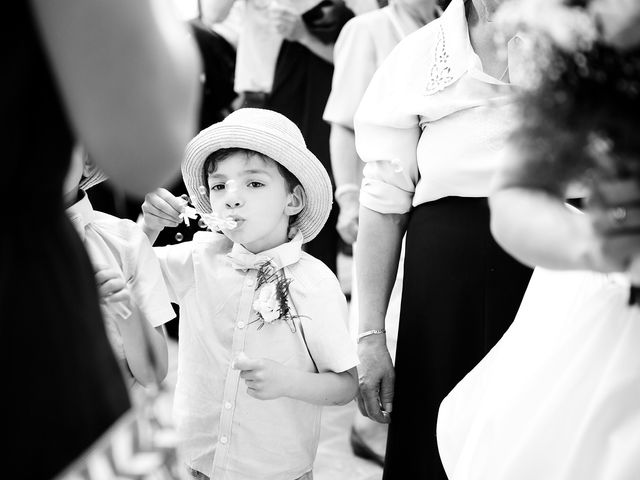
column 247, row 260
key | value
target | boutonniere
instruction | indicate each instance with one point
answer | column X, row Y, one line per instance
column 272, row 302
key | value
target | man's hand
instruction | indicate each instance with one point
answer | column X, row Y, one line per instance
column 376, row 379
column 265, row 379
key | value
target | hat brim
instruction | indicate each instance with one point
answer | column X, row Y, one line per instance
column 270, row 142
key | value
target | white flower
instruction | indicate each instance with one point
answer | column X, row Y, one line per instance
column 214, row 222
column 187, row 213
column 267, row 303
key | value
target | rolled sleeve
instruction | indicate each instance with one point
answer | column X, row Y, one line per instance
column 148, row 283
column 387, row 134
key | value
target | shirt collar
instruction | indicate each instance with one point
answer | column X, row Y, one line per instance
column 453, row 53
column 81, row 213
column 452, row 48
column 281, row 256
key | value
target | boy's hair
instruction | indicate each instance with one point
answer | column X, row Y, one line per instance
column 212, row 160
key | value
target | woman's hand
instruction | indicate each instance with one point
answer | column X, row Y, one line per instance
column 614, row 214
column 376, row 377
column 287, row 23
column 347, row 224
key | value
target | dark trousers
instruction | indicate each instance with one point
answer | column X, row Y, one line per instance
column 461, row 292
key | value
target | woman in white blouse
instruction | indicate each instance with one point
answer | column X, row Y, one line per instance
column 431, row 128
column 363, row 44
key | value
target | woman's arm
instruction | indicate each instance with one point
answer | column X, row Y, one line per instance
column 347, row 173
column 539, row 229
column 290, row 25
column 377, row 255
column 322, row 50
column 129, row 76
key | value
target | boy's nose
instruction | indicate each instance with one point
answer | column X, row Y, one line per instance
column 233, row 200
column 233, row 203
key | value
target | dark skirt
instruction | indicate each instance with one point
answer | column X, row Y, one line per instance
column 461, row 292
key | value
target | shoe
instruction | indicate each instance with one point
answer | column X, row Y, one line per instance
column 362, row 450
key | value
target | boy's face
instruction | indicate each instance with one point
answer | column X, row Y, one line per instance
column 250, row 190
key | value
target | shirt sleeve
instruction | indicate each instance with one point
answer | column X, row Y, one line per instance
column 176, row 264
column 354, row 60
column 323, row 311
column 146, row 281
column 387, row 134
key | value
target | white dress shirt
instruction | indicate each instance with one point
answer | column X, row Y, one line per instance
column 225, row 433
column 432, row 124
column 121, row 244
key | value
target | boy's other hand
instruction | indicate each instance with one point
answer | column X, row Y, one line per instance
column 265, row 379
column 162, row 209
column 111, row 286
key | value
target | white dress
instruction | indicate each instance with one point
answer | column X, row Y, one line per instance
column 558, row 398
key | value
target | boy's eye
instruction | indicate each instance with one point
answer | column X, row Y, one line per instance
column 256, row 184
column 217, row 187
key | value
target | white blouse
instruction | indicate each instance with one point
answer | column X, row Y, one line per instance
column 432, row 124
column 364, row 42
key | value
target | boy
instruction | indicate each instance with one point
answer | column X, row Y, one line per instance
column 260, row 318
column 132, row 293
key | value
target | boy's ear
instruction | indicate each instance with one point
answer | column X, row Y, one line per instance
column 297, row 201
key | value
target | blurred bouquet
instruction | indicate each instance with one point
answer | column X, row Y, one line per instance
column 580, row 109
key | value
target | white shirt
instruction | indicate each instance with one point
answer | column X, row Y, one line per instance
column 364, row 42
column 121, row 244
column 224, row 432
column 432, row 124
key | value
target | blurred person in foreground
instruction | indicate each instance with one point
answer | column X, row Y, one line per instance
column 71, row 68
column 557, row 396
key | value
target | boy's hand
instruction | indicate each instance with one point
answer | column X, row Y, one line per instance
column 265, row 379
column 111, row 286
column 162, row 209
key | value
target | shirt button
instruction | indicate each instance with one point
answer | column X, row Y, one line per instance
column 249, row 283
column 227, row 405
column 240, row 325
column 224, row 440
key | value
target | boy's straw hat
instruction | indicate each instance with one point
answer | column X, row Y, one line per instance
column 270, row 134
